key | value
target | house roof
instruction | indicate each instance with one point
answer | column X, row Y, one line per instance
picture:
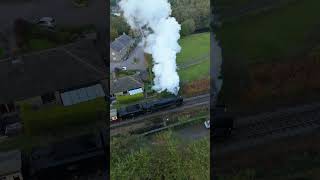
column 125, row 83
column 10, row 162
column 121, row 42
column 65, row 67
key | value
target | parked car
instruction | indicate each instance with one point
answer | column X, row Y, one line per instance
column 124, row 68
column 207, row 124
column 47, row 22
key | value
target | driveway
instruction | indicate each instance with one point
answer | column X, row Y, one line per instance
column 130, row 63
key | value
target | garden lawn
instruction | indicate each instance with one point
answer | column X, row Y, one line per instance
column 286, row 31
column 193, row 47
column 56, row 117
column 195, row 72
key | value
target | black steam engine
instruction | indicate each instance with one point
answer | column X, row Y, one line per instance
column 148, row 107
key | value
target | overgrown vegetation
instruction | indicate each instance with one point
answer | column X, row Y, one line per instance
column 127, row 99
column 53, row 118
column 165, row 158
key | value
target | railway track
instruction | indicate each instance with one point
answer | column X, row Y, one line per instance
column 269, row 126
column 197, row 101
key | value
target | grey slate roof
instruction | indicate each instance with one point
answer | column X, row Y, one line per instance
column 125, row 83
column 121, row 42
column 66, row 67
column 10, row 162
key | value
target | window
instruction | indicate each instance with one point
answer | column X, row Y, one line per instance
column 113, row 54
column 48, row 98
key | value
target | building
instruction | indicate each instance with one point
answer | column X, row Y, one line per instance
column 120, row 48
column 127, row 85
column 11, row 165
column 65, row 75
column 77, row 156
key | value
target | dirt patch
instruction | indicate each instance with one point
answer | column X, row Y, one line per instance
column 276, row 84
column 196, row 87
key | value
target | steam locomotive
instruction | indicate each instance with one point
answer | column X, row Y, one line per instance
column 148, row 107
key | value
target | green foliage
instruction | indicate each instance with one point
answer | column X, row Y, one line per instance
column 188, row 27
column 166, row 158
column 198, row 10
column 119, row 24
column 113, row 33
column 51, row 118
column 126, row 99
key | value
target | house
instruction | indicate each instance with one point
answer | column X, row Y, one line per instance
column 11, row 165
column 120, row 48
column 127, row 85
column 65, row 75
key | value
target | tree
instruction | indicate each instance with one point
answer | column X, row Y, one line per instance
column 188, row 27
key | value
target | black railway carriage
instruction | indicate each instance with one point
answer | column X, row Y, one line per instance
column 162, row 103
column 153, row 106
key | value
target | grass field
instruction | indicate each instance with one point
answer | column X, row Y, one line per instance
column 193, row 49
column 195, row 72
column 282, row 32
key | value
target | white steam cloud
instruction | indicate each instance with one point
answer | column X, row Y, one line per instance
column 161, row 34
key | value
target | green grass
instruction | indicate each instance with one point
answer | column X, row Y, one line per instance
column 40, row 44
column 280, row 32
column 195, row 72
column 54, row 118
column 193, row 47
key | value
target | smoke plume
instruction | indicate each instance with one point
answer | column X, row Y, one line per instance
column 160, row 38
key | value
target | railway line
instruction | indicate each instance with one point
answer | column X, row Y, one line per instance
column 269, row 126
column 188, row 103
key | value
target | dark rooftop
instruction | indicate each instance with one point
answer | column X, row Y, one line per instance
column 125, row 83
column 121, row 42
column 65, row 67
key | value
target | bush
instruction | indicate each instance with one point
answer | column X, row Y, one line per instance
column 188, row 27
column 125, row 99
